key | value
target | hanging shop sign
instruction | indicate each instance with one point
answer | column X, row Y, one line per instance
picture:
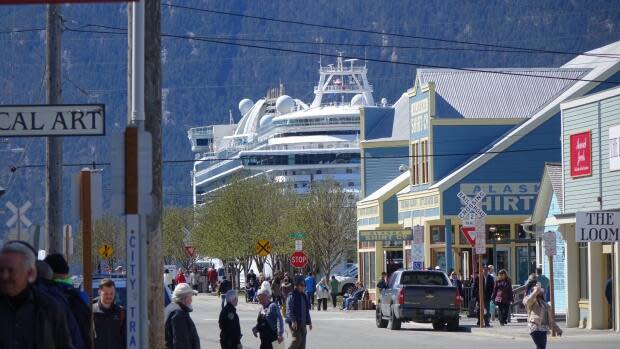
column 581, row 154
column 597, row 226
column 614, row 148
column 52, row 120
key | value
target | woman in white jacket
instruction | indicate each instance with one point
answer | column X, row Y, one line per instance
column 322, row 294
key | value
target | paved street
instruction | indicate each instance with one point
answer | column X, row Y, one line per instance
column 356, row 329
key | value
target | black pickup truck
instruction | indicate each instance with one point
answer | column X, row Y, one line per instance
column 419, row 296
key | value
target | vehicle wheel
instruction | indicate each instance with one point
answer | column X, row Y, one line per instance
column 381, row 322
column 394, row 323
column 453, row 325
column 348, row 288
column 437, row 326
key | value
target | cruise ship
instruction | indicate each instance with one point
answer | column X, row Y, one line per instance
column 287, row 140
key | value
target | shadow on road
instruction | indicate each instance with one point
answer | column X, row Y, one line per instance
column 462, row 329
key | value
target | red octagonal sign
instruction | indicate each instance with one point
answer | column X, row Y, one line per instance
column 299, row 259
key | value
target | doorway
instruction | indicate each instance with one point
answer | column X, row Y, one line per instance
column 393, row 261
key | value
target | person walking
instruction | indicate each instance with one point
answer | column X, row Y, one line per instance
column 322, row 294
column 180, row 331
column 269, row 324
column 286, row 288
column 540, row 318
column 230, row 329
column 29, row 318
column 310, row 288
column 108, row 318
column 456, row 281
column 502, row 296
column 298, row 314
column 333, row 287
column 225, row 286
column 180, row 278
column 212, row 278
column 78, row 300
column 193, row 279
column 487, row 290
column 276, row 289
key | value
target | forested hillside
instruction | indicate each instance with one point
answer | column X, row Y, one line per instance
column 203, row 80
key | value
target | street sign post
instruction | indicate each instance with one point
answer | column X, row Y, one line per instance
column 299, row 245
column 263, row 248
column 299, row 259
column 417, row 248
column 296, row 235
column 52, row 120
column 472, row 216
column 550, row 251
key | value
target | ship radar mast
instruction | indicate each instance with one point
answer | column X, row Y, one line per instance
column 345, row 78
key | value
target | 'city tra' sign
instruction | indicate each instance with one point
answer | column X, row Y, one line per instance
column 52, row 120
column 597, row 226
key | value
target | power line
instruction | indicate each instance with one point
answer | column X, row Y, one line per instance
column 368, row 31
column 182, row 161
column 413, row 64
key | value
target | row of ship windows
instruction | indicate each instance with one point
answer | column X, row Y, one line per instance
column 301, row 159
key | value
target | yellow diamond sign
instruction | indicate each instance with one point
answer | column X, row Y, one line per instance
column 263, row 248
column 105, row 251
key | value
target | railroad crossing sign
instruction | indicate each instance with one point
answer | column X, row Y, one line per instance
column 19, row 214
column 263, row 248
column 473, row 218
column 105, row 251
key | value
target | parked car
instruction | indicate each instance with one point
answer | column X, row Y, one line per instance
column 419, row 296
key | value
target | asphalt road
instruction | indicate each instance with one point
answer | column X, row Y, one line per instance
column 356, row 329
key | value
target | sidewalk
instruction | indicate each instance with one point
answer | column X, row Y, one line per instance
column 515, row 330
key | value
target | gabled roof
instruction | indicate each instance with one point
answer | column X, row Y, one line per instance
column 554, row 171
column 600, row 67
column 395, row 183
column 489, row 94
column 400, row 123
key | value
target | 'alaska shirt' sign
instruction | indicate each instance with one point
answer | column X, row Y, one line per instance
column 52, row 120
column 504, row 198
column 385, row 235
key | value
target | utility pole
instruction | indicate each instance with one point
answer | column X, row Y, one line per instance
column 53, row 146
column 153, row 106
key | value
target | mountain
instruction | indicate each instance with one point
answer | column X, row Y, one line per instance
column 202, row 81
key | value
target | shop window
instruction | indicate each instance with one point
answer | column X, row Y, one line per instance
column 584, row 292
column 498, row 233
column 368, row 268
column 526, row 263
column 366, row 244
column 522, row 234
column 438, row 234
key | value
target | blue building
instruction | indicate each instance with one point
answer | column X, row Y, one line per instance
column 491, row 130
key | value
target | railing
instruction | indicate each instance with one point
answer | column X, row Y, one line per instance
column 201, row 131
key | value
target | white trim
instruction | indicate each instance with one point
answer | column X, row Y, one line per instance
column 595, row 97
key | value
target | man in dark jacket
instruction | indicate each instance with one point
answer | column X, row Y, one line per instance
column 225, row 286
column 180, row 329
column 29, row 319
column 488, row 286
column 109, row 318
column 230, row 329
column 298, row 314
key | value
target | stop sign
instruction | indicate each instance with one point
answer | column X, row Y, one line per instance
column 299, row 259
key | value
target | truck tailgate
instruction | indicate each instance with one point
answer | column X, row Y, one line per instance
column 430, row 297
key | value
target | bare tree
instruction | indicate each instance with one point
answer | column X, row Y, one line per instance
column 329, row 221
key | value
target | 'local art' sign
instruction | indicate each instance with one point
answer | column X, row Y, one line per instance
column 581, row 154
column 597, row 226
column 52, row 120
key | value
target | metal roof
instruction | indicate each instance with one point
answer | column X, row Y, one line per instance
column 400, row 123
column 489, row 95
column 554, row 171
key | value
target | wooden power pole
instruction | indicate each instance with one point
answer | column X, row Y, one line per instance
column 153, row 112
column 53, row 146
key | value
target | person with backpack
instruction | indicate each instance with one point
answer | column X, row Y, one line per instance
column 108, row 318
column 269, row 324
column 79, row 302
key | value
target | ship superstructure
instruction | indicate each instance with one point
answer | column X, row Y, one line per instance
column 287, row 140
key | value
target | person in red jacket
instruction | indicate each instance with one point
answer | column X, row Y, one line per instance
column 212, row 276
column 180, row 278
